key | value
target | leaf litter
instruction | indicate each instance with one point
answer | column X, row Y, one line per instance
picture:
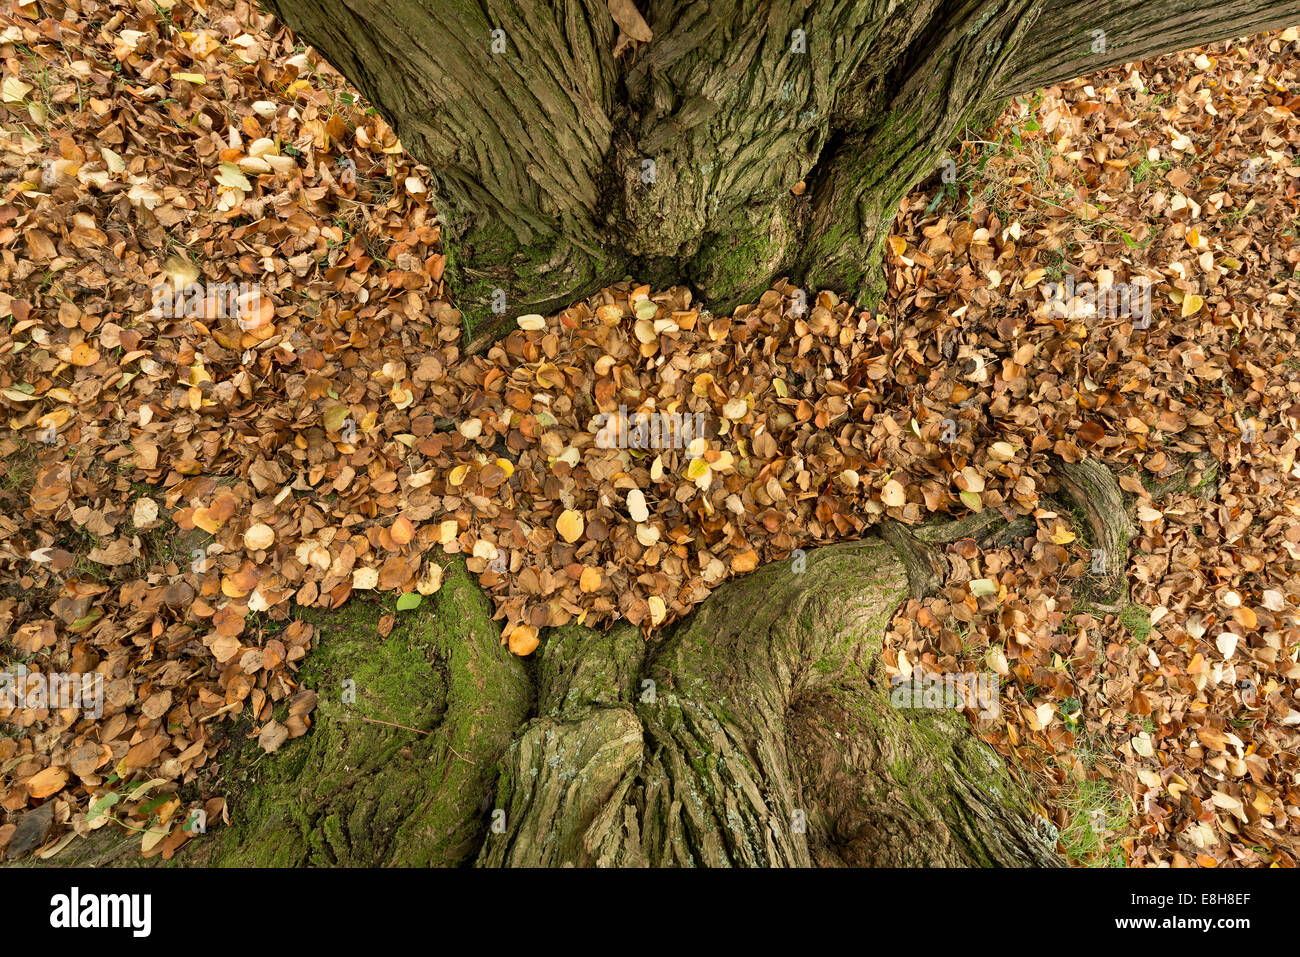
column 307, row 426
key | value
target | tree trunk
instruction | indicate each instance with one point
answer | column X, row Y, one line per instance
column 743, row 141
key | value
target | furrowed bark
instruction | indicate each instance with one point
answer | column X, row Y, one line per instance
column 929, row 96
column 509, row 104
column 558, row 166
column 1062, row 44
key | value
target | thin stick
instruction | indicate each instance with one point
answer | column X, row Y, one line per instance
column 392, row 725
column 417, row 731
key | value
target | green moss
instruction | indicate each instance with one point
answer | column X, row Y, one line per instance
column 737, row 267
column 20, row 467
column 537, row 272
column 1181, row 482
column 393, row 678
column 354, row 791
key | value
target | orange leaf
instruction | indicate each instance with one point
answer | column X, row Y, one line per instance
column 47, row 782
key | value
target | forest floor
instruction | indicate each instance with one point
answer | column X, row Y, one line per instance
column 180, row 471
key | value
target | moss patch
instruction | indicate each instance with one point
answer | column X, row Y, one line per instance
column 357, row 792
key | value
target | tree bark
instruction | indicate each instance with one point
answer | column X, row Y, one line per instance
column 743, row 141
column 760, row 733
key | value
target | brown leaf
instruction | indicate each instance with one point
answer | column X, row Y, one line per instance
column 47, row 782
column 272, row 735
column 629, row 20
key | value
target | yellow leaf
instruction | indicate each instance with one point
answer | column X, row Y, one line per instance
column 1002, row 451
column 206, row 520
column 570, row 525
column 15, row 89
column 1192, row 304
column 431, row 580
column 231, row 177
column 112, row 161
column 198, row 79
column 153, row 836
column 636, row 504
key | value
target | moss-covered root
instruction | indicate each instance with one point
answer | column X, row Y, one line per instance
column 760, row 734
column 1092, row 488
column 358, row 792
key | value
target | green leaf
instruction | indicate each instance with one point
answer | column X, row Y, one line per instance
column 151, row 805
column 100, row 805
column 230, row 175
column 409, row 600
column 335, row 417
column 85, row 622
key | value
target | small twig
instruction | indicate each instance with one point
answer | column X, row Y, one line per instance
column 392, row 725
column 418, row 731
column 221, row 710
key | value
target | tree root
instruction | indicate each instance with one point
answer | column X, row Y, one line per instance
column 760, row 731
column 1091, row 488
